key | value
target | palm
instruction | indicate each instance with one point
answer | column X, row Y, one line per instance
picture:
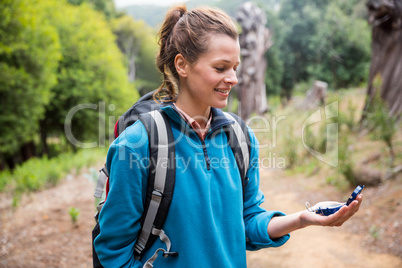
column 336, row 219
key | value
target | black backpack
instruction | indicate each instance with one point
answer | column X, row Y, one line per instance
column 162, row 177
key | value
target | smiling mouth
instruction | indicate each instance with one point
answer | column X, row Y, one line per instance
column 224, row 91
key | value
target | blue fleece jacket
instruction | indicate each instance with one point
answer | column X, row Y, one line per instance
column 208, row 222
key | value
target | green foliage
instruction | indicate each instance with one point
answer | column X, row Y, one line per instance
column 5, row 179
column 55, row 56
column 342, row 44
column 104, row 6
column 382, row 124
column 138, row 43
column 339, row 182
column 289, row 150
column 345, row 162
column 301, row 21
column 316, row 141
column 325, row 40
column 347, row 118
column 37, row 174
column 91, row 71
column 275, row 69
column 27, row 70
column 74, row 214
column 309, row 139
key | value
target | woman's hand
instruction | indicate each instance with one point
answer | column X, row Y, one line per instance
column 280, row 226
column 337, row 219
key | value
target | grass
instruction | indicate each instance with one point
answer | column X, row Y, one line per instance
column 383, row 127
column 40, row 173
column 353, row 147
column 375, row 231
column 74, row 214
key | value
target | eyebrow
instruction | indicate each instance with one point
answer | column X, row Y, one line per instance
column 227, row 61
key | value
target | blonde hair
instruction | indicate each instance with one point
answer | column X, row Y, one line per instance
column 187, row 33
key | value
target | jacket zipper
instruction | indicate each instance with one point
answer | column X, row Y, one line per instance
column 204, row 148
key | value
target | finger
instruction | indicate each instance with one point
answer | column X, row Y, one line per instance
column 341, row 216
column 349, row 211
column 334, row 219
column 344, row 214
column 359, row 199
column 355, row 205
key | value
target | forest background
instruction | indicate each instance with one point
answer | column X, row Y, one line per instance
column 70, row 68
column 55, row 55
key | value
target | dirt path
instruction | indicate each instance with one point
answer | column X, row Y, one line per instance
column 40, row 233
column 313, row 246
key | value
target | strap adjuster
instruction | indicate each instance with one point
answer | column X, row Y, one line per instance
column 157, row 194
column 167, row 254
column 104, row 170
column 102, row 178
column 139, row 248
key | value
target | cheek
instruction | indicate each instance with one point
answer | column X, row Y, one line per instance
column 210, row 78
column 206, row 76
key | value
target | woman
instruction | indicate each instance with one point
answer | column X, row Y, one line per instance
column 209, row 223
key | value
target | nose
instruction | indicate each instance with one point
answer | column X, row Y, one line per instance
column 231, row 78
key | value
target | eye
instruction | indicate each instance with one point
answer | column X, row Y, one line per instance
column 219, row 69
column 236, row 67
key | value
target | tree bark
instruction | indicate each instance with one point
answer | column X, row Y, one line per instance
column 315, row 96
column 255, row 40
column 28, row 150
column 43, row 139
column 386, row 20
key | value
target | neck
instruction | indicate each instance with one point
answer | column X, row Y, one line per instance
column 199, row 114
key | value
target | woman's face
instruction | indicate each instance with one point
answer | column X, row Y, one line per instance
column 208, row 81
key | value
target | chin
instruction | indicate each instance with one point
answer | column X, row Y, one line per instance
column 220, row 105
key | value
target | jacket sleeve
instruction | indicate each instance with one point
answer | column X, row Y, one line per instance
column 256, row 218
column 120, row 216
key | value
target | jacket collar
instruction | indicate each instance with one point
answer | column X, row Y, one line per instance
column 218, row 118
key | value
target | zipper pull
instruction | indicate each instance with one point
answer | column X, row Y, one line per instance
column 204, row 148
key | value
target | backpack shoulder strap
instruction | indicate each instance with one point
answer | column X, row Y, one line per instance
column 100, row 185
column 143, row 105
column 239, row 141
column 161, row 180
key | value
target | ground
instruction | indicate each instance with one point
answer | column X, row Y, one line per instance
column 40, row 233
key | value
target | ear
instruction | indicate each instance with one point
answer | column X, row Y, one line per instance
column 180, row 63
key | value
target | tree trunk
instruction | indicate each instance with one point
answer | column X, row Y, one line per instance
column 386, row 20
column 28, row 151
column 315, row 96
column 255, row 40
column 3, row 165
column 43, row 139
